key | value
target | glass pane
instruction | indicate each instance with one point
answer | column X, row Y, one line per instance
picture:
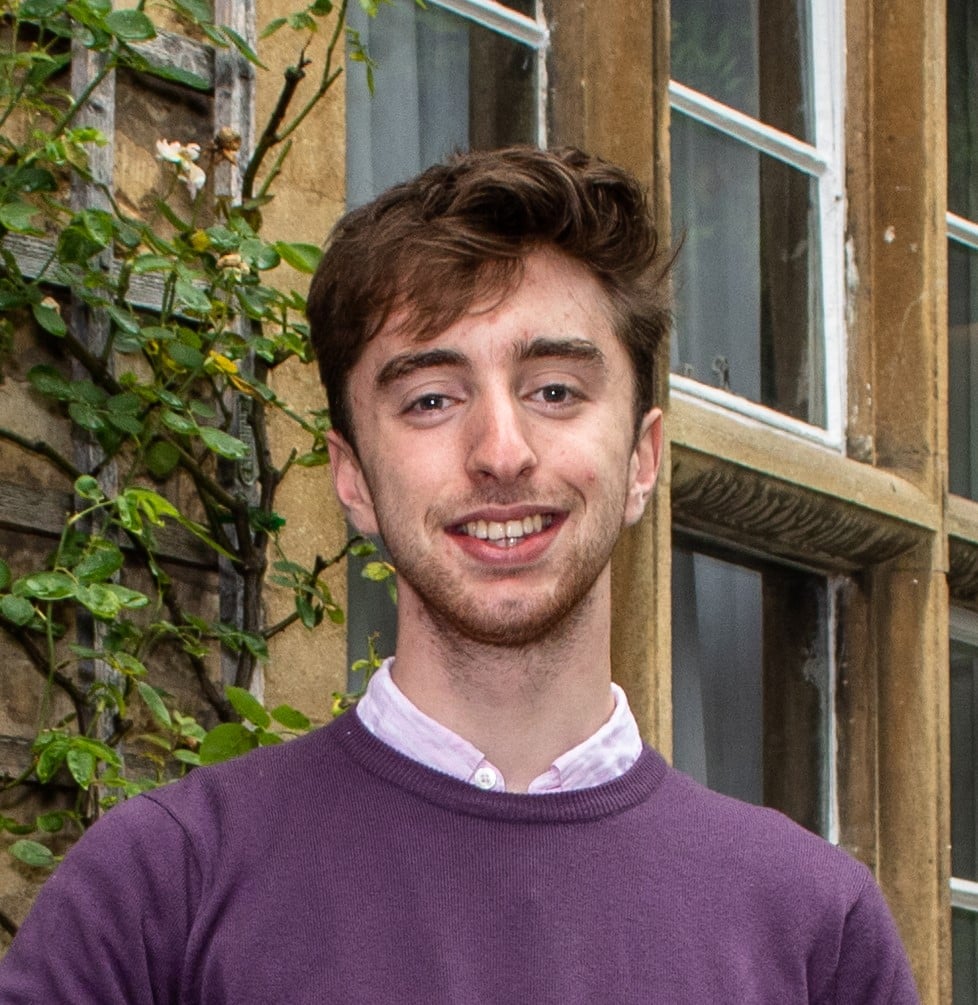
column 963, row 369
column 753, row 56
column 441, row 83
column 964, row 949
column 748, row 291
column 962, row 108
column 527, row 7
column 750, row 683
column 964, row 790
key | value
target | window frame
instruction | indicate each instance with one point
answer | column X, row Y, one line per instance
column 823, row 161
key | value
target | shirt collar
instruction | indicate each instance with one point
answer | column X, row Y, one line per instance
column 392, row 718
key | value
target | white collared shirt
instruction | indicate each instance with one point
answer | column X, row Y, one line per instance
column 392, row 718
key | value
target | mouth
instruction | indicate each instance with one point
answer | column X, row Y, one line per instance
column 506, row 533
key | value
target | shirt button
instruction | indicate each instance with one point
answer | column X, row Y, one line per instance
column 484, row 778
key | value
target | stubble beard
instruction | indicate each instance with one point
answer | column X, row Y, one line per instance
column 451, row 602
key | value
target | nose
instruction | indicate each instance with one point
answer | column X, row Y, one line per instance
column 499, row 441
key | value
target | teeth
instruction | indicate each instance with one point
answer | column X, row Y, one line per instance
column 507, row 533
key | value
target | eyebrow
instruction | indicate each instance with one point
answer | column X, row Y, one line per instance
column 540, row 348
column 560, row 348
column 406, row 363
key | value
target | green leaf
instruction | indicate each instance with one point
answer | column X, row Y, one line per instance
column 262, row 256
column 33, row 853
column 291, row 718
column 51, row 758
column 124, row 320
column 5, row 576
column 12, row 826
column 35, row 179
column 81, row 764
column 223, row 444
column 242, row 46
column 184, row 355
column 86, row 416
column 51, row 823
column 130, row 25
column 178, row 423
column 161, row 458
column 154, row 703
column 99, row 225
column 18, row 610
column 178, row 75
column 100, row 563
column 229, row 739
column 41, row 8
column 196, row 10
column 190, row 757
column 248, row 706
column 191, row 298
column 304, row 257
column 50, row 382
column 49, row 319
column 310, row 616
column 377, row 572
column 272, row 27
column 16, row 216
column 46, row 586
column 88, row 487
column 100, row 600
column 132, row 600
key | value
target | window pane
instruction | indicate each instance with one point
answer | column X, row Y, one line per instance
column 442, row 83
column 964, row 949
column 527, row 7
column 963, row 369
column 753, row 56
column 964, row 791
column 748, row 291
column 750, row 683
column 962, row 108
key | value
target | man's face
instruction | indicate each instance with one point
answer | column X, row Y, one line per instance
column 498, row 460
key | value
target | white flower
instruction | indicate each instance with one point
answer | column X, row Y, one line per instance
column 184, row 156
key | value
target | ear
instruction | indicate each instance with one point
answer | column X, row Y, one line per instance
column 351, row 484
column 643, row 466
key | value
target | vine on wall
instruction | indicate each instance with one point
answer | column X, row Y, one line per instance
column 162, row 332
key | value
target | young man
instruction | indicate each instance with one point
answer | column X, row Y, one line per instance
column 487, row 825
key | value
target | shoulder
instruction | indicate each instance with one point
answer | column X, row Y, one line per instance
column 776, row 881
column 756, row 841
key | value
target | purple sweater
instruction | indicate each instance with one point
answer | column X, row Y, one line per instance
column 333, row 869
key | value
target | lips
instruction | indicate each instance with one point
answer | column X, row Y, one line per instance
column 505, row 533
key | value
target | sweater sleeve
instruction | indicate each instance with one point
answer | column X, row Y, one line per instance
column 873, row 968
column 110, row 926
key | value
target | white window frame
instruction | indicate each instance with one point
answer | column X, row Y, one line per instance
column 531, row 32
column 825, row 163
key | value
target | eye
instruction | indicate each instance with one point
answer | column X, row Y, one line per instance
column 429, row 403
column 557, row 394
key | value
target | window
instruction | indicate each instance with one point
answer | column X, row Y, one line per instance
column 964, row 804
column 757, row 200
column 451, row 75
column 455, row 74
column 751, row 683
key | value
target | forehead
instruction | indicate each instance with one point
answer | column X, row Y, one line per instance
column 555, row 297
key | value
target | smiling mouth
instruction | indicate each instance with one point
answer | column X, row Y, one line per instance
column 506, row 533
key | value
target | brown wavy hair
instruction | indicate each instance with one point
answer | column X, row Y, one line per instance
column 460, row 231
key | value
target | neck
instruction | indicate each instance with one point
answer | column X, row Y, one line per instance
column 522, row 706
